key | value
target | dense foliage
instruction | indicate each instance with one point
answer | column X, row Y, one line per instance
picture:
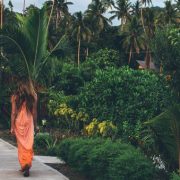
column 104, row 159
column 166, row 48
column 125, row 95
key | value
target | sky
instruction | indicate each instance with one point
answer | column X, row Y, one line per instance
column 78, row 5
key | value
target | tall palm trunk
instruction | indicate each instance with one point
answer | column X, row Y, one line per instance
column 130, row 55
column 142, row 20
column 58, row 16
column 2, row 4
column 79, row 44
column 87, row 52
column 24, row 6
column 50, row 16
column 148, row 58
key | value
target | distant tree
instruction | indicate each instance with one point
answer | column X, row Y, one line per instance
column 81, row 31
column 133, row 39
column 122, row 11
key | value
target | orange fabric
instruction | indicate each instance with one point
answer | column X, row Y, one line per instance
column 24, row 131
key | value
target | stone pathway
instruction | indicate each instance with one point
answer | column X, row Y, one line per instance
column 9, row 166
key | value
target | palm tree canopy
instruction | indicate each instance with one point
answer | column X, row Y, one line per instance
column 29, row 43
column 122, row 9
column 95, row 12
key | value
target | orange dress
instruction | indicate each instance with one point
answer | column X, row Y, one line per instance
column 24, row 131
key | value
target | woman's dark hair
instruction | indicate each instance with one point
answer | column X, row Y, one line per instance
column 25, row 93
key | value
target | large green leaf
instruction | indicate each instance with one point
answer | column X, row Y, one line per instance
column 167, row 130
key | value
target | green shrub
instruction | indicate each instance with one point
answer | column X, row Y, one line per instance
column 105, row 159
column 105, row 58
column 45, row 144
column 69, row 79
column 175, row 176
column 102, row 59
column 124, row 95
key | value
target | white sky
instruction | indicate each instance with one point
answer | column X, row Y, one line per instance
column 79, row 5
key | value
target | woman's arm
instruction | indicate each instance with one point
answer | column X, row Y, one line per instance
column 35, row 112
column 13, row 113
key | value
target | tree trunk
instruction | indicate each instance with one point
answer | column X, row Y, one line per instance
column 87, row 52
column 148, row 58
column 79, row 45
column 50, row 16
column 2, row 4
column 130, row 54
column 24, row 6
column 142, row 20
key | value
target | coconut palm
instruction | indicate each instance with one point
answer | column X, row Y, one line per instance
column 81, row 31
column 61, row 9
column 108, row 3
column 24, row 6
column 136, row 9
column 25, row 46
column 144, row 2
column 149, row 19
column 96, row 12
column 169, row 14
column 133, row 39
column 122, row 10
column 10, row 5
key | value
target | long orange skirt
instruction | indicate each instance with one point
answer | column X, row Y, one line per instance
column 24, row 130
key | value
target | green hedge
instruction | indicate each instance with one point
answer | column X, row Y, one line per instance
column 105, row 159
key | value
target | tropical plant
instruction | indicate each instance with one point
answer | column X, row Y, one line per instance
column 122, row 12
column 133, row 39
column 102, row 159
column 26, row 45
column 167, row 129
column 104, row 128
column 169, row 16
column 61, row 9
column 144, row 2
column 166, row 53
column 124, row 95
column 81, row 31
column 95, row 12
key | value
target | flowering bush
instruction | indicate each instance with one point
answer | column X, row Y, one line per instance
column 70, row 118
column 104, row 128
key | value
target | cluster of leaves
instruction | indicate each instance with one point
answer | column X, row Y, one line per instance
column 69, row 118
column 104, row 128
column 105, row 159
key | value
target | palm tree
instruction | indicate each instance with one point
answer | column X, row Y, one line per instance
column 81, row 31
column 24, row 6
column 133, row 39
column 136, row 9
column 108, row 3
column 61, row 8
column 122, row 9
column 149, row 18
column 169, row 14
column 144, row 2
column 29, row 44
column 10, row 6
column 2, row 9
column 96, row 12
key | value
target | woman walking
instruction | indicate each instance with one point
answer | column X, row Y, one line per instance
column 23, row 122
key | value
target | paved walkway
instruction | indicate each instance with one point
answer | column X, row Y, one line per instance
column 9, row 166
